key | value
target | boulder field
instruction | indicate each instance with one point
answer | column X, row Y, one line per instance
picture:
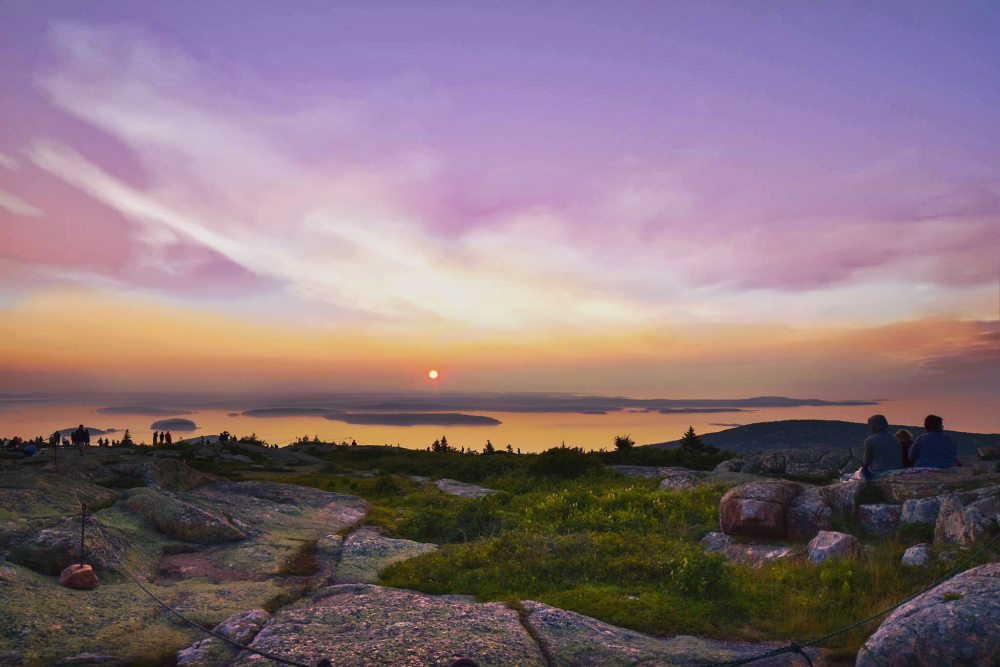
column 956, row 623
column 282, row 568
column 769, row 518
column 291, row 571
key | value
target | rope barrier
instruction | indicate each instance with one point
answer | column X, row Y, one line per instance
column 195, row 625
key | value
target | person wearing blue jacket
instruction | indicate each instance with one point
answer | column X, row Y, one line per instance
column 935, row 448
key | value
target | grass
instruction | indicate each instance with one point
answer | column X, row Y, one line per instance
column 567, row 532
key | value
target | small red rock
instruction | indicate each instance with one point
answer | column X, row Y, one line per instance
column 79, row 576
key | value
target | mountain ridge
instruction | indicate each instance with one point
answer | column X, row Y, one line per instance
column 803, row 433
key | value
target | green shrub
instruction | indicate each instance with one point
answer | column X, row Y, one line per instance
column 564, row 462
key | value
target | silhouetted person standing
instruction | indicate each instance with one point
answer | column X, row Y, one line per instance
column 81, row 438
column 156, row 437
column 167, row 438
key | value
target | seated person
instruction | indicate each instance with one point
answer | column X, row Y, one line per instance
column 905, row 442
column 881, row 452
column 935, row 448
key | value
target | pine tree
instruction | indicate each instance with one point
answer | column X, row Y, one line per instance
column 127, row 439
column 444, row 444
column 691, row 439
column 624, row 443
column 489, row 448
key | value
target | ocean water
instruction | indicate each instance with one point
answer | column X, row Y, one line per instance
column 531, row 432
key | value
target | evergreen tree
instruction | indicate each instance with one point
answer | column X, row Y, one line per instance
column 489, row 448
column 691, row 439
column 445, row 447
column 624, row 443
column 127, row 439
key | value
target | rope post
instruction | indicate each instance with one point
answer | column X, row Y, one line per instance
column 83, row 527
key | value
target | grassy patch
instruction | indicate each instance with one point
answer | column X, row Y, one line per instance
column 567, row 532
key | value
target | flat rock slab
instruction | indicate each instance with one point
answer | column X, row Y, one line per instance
column 812, row 463
column 455, row 488
column 42, row 492
column 46, row 622
column 955, row 623
column 923, row 483
column 647, row 472
column 48, row 547
column 181, row 520
column 751, row 554
column 573, row 639
column 365, row 553
column 361, row 624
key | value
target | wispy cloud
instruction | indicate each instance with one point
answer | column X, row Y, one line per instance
column 9, row 163
column 18, row 206
column 349, row 208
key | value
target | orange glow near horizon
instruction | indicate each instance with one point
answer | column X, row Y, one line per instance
column 85, row 341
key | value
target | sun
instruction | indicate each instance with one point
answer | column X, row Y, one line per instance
column 432, row 374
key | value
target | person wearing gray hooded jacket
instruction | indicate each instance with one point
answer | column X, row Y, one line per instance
column 881, row 452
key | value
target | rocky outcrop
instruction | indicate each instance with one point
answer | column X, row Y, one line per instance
column 646, row 472
column 571, row 639
column 808, row 514
column 967, row 520
column 920, row 510
column 47, row 492
column 678, row 480
column 240, row 628
column 272, row 566
column 758, row 509
column 455, row 488
column 988, row 453
column 361, row 624
column 831, row 545
column 914, row 483
column 813, row 463
column 843, row 496
column 160, row 473
column 745, row 553
column 715, row 541
column 181, row 520
column 730, row 465
column 250, row 455
column 879, row 519
column 956, row 623
column 916, row 556
column 365, row 553
column 51, row 550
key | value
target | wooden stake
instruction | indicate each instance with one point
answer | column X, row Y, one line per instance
column 83, row 525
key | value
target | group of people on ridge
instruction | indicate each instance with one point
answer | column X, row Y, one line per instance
column 162, row 438
column 884, row 452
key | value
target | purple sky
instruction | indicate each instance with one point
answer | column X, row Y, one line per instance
column 509, row 171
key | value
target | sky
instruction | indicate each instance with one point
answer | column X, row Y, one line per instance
column 667, row 199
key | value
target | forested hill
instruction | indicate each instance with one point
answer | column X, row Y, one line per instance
column 801, row 433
